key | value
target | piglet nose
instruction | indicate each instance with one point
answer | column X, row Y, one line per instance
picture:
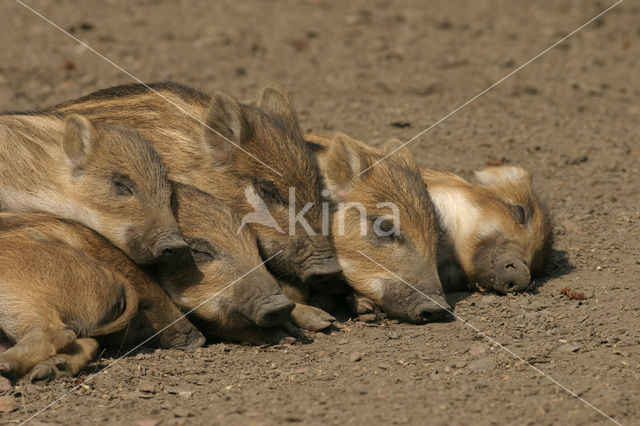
column 274, row 312
column 512, row 274
column 170, row 246
column 435, row 308
column 323, row 271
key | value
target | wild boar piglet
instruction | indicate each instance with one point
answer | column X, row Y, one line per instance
column 223, row 281
column 104, row 176
column 51, row 294
column 157, row 322
column 383, row 226
column 495, row 233
column 251, row 156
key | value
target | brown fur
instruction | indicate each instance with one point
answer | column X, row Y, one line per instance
column 474, row 232
column 59, row 246
column 155, row 309
column 217, row 282
column 481, row 221
column 50, row 294
column 204, row 158
column 219, row 258
column 106, row 177
column 210, row 283
column 412, row 254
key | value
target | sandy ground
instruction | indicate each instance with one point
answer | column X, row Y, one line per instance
column 380, row 69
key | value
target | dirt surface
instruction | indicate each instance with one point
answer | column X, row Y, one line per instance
column 380, row 69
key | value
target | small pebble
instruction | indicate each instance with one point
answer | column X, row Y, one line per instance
column 393, row 335
column 289, row 340
column 459, row 364
column 182, row 412
column 478, row 349
column 148, row 422
column 147, row 386
column 483, row 364
column 568, row 347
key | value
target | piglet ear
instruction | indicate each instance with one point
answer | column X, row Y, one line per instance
column 502, row 175
column 78, row 139
column 344, row 161
column 225, row 126
column 399, row 149
column 276, row 102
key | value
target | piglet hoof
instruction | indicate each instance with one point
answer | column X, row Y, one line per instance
column 188, row 340
column 320, row 325
column 311, row 318
column 7, row 369
column 50, row 369
column 42, row 373
column 364, row 306
column 63, row 369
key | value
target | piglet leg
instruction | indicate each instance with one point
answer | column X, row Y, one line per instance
column 66, row 364
column 35, row 346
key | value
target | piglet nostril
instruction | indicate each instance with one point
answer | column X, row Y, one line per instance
column 509, row 267
column 512, row 274
column 170, row 246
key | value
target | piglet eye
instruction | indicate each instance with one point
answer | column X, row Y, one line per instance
column 384, row 231
column 201, row 251
column 122, row 189
column 519, row 213
column 201, row 257
column 122, row 185
column 386, row 226
column 268, row 191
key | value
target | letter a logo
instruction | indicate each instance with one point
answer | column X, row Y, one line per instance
column 260, row 214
